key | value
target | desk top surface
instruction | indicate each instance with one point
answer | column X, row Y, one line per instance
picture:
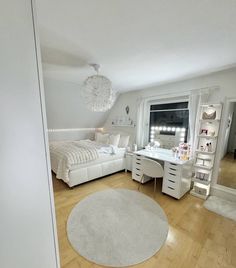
column 161, row 154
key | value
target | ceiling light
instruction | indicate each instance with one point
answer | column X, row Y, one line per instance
column 97, row 92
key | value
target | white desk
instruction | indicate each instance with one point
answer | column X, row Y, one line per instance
column 177, row 173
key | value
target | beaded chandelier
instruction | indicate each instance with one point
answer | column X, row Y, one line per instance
column 97, row 92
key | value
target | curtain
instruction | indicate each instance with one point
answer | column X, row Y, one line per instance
column 194, row 105
column 140, row 127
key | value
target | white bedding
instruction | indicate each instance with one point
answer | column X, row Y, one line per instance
column 67, row 156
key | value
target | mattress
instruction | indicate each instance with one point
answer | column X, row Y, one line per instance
column 103, row 157
column 106, row 153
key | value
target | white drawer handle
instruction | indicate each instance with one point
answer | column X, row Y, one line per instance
column 137, row 174
column 138, row 168
column 137, row 163
column 171, row 181
column 172, row 174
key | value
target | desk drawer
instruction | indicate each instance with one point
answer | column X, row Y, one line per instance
column 137, row 162
column 136, row 176
column 172, row 171
column 137, row 171
column 172, row 184
column 171, row 176
column 170, row 190
column 172, row 166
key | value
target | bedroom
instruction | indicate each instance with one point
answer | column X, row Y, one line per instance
column 172, row 67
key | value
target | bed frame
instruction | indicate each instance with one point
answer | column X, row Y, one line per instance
column 95, row 171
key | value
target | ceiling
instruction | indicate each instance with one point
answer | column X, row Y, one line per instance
column 138, row 43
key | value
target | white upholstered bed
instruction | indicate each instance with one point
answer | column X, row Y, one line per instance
column 105, row 160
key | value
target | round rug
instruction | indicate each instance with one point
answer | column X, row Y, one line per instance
column 117, row 227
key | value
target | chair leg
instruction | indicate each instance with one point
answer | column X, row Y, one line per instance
column 141, row 181
column 155, row 184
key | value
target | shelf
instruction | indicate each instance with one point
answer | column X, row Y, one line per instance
column 208, row 137
column 211, row 105
column 201, row 181
column 204, row 159
column 198, row 195
column 210, row 120
column 203, row 152
column 122, row 125
column 203, row 167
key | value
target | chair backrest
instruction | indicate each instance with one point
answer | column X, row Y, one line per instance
column 152, row 168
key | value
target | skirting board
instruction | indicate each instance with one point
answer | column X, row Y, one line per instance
column 223, row 192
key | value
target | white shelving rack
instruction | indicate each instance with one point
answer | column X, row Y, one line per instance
column 207, row 138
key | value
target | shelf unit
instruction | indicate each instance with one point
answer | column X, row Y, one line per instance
column 207, row 133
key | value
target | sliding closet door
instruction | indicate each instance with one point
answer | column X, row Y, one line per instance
column 27, row 226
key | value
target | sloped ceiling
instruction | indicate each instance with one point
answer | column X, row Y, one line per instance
column 138, row 43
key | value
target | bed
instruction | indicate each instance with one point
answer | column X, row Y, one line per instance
column 76, row 162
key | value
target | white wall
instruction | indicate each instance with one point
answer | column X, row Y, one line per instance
column 67, row 113
column 27, row 223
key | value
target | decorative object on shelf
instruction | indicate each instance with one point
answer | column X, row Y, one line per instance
column 208, row 147
column 204, row 131
column 97, row 92
column 212, row 133
column 205, row 154
column 203, row 161
column 135, row 147
column 201, row 176
column 209, row 114
column 175, row 151
column 184, row 151
column 127, row 109
column 123, row 121
column 200, row 190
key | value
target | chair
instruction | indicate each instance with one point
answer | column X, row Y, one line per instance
column 151, row 169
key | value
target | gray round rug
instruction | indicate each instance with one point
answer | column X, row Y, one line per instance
column 117, row 227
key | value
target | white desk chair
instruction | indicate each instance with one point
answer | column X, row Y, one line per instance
column 151, row 169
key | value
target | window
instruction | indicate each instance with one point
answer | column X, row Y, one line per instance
column 169, row 123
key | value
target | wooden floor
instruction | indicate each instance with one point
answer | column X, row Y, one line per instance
column 197, row 237
column 227, row 172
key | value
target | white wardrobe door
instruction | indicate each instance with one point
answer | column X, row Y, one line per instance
column 27, row 233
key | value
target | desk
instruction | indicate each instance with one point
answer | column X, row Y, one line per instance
column 177, row 173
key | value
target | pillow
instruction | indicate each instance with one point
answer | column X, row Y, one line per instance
column 101, row 138
column 124, row 141
column 114, row 139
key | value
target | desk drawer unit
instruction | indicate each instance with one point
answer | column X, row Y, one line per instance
column 176, row 181
column 137, row 173
column 171, row 180
column 136, row 168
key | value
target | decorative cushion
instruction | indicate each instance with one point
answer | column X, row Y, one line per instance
column 114, row 139
column 124, row 141
column 101, row 138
